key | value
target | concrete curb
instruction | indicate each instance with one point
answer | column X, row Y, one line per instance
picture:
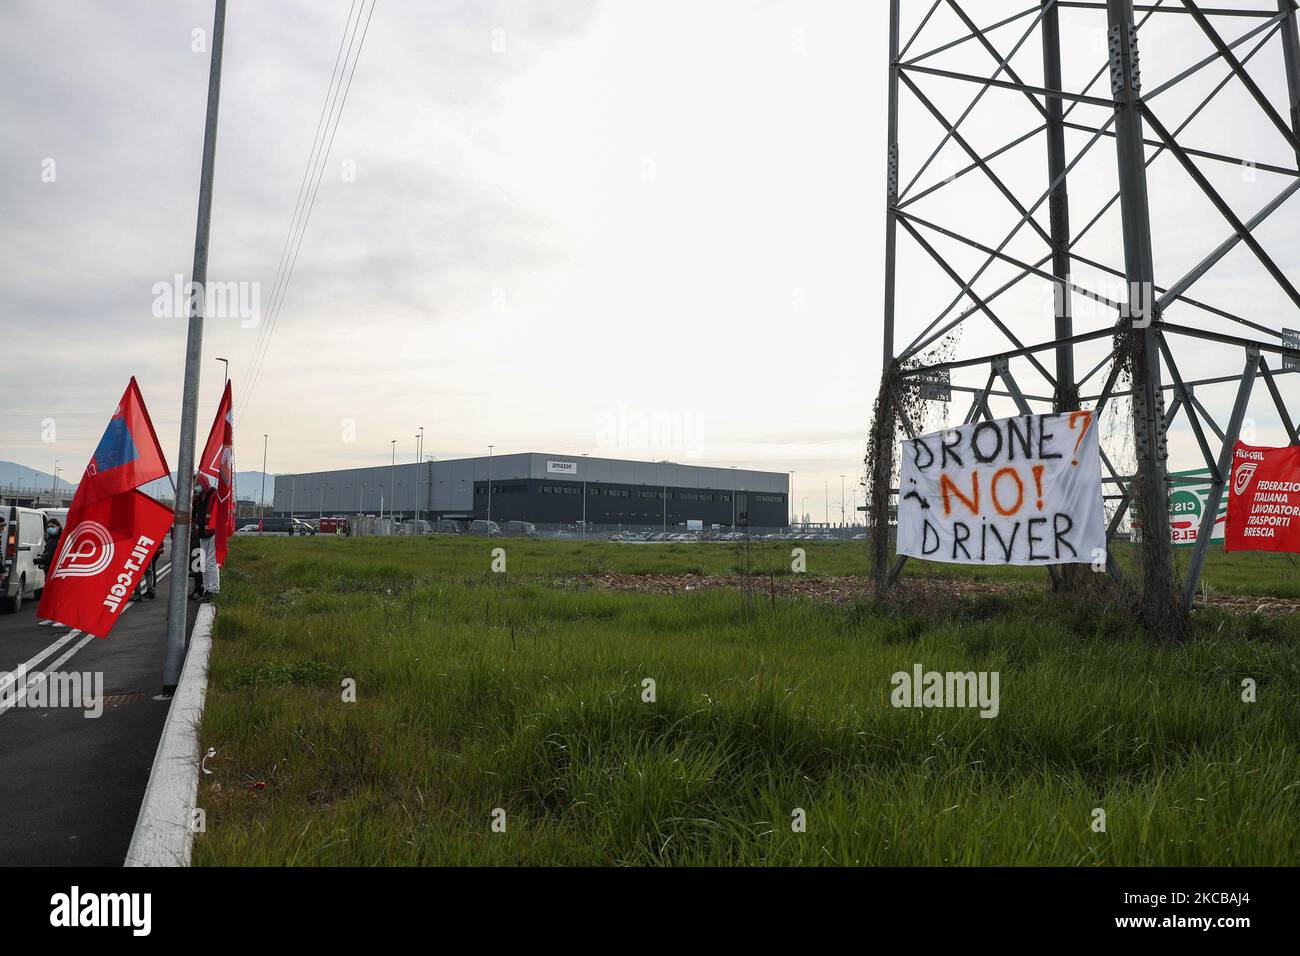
column 163, row 834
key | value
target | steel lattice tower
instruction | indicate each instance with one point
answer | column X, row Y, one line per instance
column 1147, row 138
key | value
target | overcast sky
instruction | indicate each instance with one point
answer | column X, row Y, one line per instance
column 642, row 230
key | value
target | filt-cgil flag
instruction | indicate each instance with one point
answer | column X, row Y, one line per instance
column 113, row 530
column 216, row 464
column 106, row 548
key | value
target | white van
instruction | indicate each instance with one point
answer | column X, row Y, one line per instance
column 23, row 542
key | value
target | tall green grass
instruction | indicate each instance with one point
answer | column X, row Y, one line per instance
column 524, row 693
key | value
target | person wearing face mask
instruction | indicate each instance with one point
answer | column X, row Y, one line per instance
column 53, row 534
column 207, row 578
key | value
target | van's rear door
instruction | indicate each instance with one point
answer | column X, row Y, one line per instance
column 8, row 545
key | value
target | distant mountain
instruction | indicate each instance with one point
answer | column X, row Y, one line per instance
column 14, row 475
column 248, row 484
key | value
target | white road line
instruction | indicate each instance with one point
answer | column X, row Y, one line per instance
column 32, row 664
column 35, row 662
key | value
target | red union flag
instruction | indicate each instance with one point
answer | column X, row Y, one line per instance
column 215, row 463
column 1264, row 500
column 127, row 456
column 104, row 549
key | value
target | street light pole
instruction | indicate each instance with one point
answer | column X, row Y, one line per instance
column 392, row 480
column 733, row 497
column 490, row 447
column 418, row 436
column 841, row 501
column 176, row 598
column 262, row 512
column 664, row 481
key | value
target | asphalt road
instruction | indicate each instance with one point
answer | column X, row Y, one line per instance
column 71, row 785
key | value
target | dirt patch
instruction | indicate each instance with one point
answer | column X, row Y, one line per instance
column 1254, row 604
column 911, row 592
column 819, row 588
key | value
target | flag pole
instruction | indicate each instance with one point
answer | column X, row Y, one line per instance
column 176, row 636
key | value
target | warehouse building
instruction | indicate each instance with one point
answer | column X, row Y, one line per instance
column 545, row 489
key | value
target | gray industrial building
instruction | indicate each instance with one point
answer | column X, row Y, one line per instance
column 544, row 489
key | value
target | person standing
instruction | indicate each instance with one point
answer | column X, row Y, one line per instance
column 53, row 535
column 205, row 503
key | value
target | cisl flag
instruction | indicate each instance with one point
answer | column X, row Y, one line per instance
column 104, row 549
column 1264, row 500
column 215, row 463
column 128, row 455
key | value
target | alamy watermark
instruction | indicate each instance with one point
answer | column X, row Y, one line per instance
column 54, row 690
column 922, row 688
column 220, row 300
column 629, row 429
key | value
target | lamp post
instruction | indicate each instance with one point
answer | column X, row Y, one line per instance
column 790, row 492
column 322, row 501
column 265, row 441
column 664, row 481
column 841, row 501
column 419, row 435
column 433, row 491
column 392, row 480
column 489, row 516
column 733, row 497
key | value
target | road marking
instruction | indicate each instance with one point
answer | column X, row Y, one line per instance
column 35, row 662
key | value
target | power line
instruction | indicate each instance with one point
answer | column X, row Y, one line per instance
column 323, row 155
column 326, row 108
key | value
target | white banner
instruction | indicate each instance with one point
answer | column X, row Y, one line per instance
column 562, row 467
column 1023, row 490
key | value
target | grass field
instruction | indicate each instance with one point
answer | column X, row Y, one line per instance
column 522, row 694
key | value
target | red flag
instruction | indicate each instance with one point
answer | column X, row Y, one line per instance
column 127, row 456
column 216, row 464
column 1263, row 500
column 104, row 549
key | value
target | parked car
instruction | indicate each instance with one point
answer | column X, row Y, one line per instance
column 272, row 527
column 520, row 529
column 487, row 528
column 23, row 542
column 302, row 527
